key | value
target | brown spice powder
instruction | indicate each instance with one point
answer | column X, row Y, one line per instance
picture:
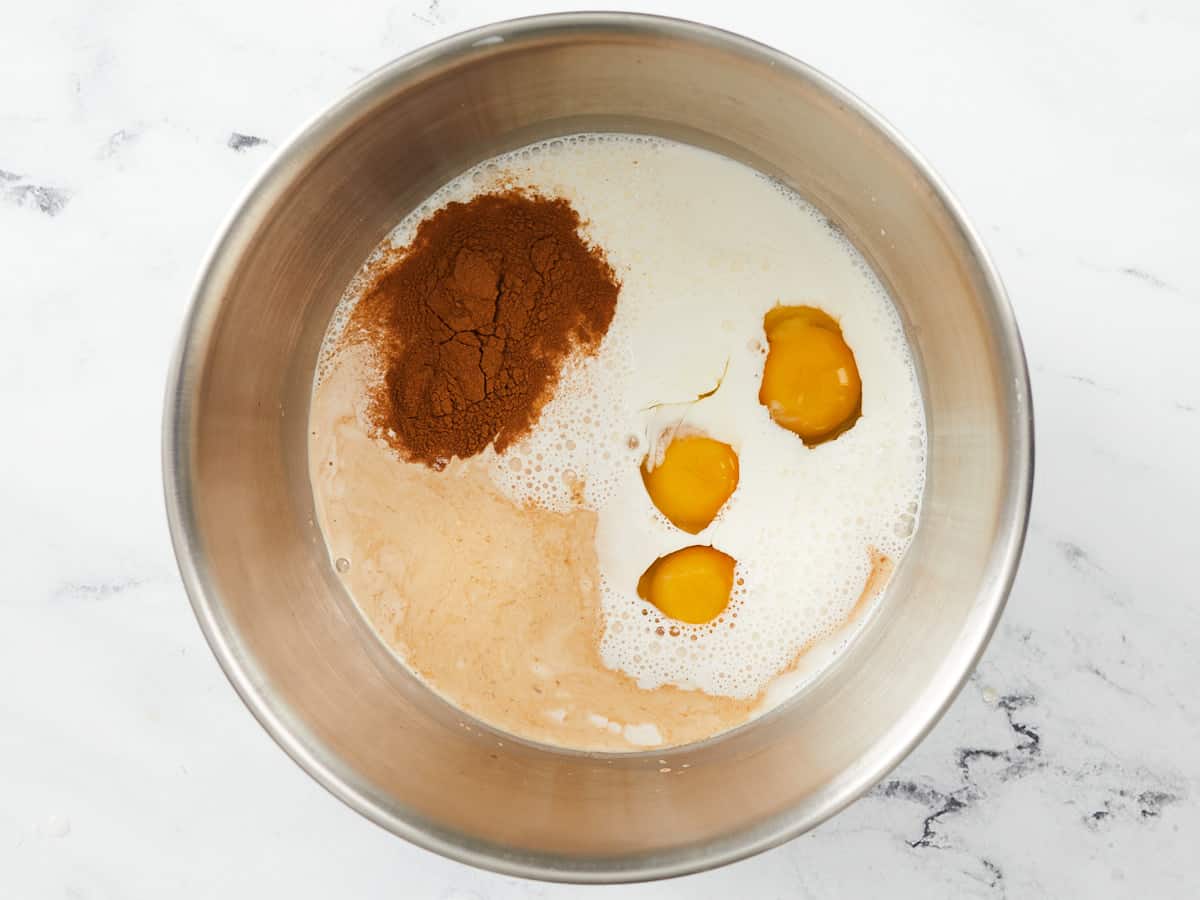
column 474, row 320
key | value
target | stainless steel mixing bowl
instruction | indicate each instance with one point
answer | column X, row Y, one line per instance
column 241, row 510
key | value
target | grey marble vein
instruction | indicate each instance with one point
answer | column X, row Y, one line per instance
column 117, row 141
column 44, row 198
column 431, row 14
column 1139, row 274
column 98, row 590
column 240, row 142
column 1147, row 277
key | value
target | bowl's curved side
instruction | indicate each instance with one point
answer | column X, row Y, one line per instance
column 195, row 386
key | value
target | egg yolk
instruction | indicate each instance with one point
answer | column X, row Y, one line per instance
column 810, row 381
column 692, row 482
column 691, row 585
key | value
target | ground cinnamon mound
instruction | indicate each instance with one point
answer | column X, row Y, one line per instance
column 474, row 320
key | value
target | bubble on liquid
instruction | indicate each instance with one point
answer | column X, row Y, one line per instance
column 342, row 565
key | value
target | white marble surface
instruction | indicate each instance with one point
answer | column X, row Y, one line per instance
column 1070, row 764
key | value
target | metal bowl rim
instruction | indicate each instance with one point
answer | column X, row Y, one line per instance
column 926, row 709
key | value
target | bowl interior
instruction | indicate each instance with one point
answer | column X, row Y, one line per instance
column 242, row 510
